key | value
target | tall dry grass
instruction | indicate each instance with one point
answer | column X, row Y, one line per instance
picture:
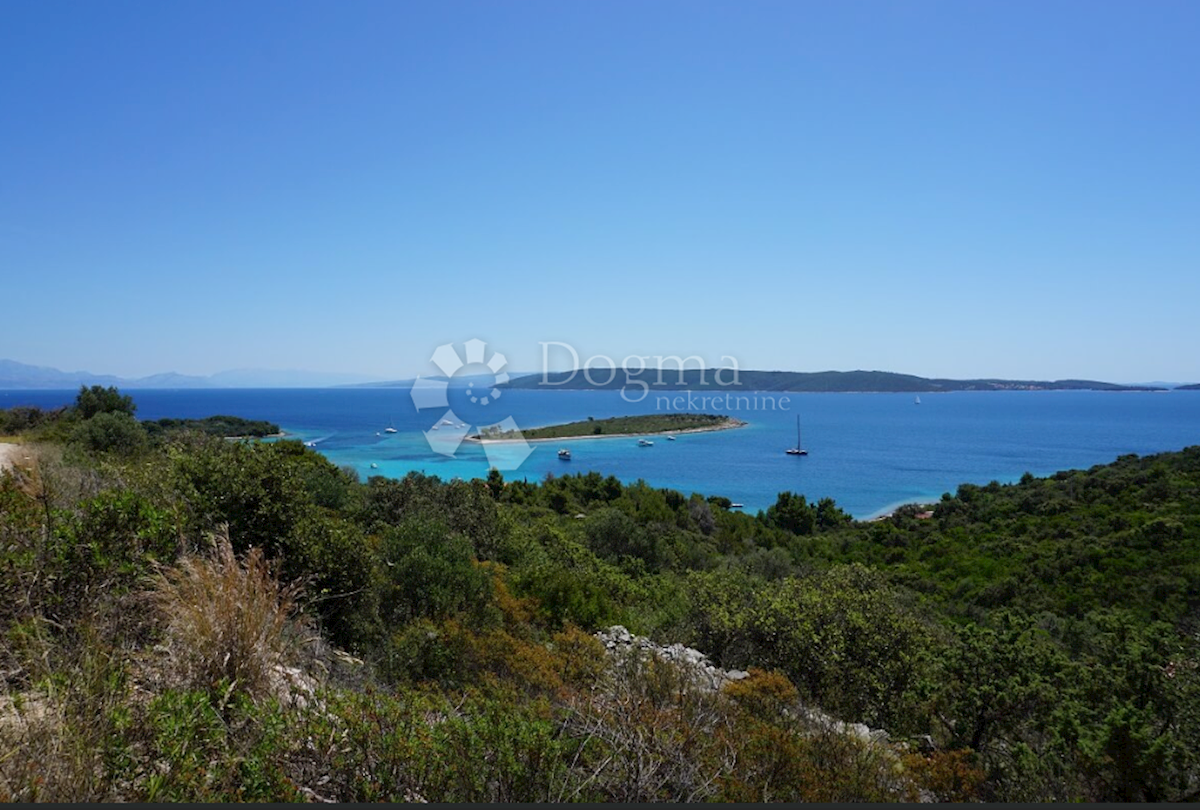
column 230, row 623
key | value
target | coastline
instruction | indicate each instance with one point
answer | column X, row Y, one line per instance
column 729, row 424
column 890, row 511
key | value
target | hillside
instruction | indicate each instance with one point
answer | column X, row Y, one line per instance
column 805, row 382
column 194, row 619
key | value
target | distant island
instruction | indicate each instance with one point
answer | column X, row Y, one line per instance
column 1192, row 387
column 615, row 426
column 24, row 377
column 798, row 382
column 228, row 427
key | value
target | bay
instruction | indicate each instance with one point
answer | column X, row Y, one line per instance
column 869, row 452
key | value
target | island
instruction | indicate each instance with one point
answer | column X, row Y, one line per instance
column 232, row 427
column 694, row 379
column 590, row 428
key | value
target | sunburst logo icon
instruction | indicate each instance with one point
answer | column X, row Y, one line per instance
column 447, row 434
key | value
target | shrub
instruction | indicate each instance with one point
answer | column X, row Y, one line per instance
column 116, row 432
column 226, row 620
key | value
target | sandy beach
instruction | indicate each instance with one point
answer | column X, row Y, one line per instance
column 727, row 425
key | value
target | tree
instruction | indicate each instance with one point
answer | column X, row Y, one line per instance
column 98, row 399
column 495, row 483
column 110, row 432
column 792, row 513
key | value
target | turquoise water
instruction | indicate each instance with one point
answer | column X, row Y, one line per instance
column 870, row 452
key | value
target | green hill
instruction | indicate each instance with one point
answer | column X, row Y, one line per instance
column 194, row 619
column 799, row 382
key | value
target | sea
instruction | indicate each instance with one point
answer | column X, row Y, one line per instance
column 869, row 452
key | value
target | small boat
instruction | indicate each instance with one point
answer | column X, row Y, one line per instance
column 446, row 422
column 670, row 438
column 645, row 443
column 917, row 401
column 374, row 466
column 736, row 505
column 391, row 428
column 564, row 454
column 797, row 450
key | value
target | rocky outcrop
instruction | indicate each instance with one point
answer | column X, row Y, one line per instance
column 618, row 641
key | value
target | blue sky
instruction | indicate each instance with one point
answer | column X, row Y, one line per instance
column 940, row 188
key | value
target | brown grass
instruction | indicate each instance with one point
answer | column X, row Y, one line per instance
column 229, row 622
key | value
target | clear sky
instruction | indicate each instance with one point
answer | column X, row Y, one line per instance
column 939, row 188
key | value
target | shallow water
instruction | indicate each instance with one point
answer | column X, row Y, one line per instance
column 870, row 452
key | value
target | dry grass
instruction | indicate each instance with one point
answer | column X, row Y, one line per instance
column 55, row 736
column 229, row 622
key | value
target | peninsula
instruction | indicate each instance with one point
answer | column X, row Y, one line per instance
column 590, row 428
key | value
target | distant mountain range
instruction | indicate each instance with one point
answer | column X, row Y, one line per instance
column 14, row 375
column 807, row 382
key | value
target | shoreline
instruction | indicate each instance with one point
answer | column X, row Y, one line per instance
column 890, row 511
column 278, row 435
column 730, row 424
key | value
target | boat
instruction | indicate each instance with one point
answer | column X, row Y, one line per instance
column 917, row 401
column 374, row 466
column 670, row 438
column 645, row 443
column 736, row 505
column 564, row 454
column 391, row 428
column 797, row 450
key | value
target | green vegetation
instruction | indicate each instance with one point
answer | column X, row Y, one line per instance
column 189, row 618
column 694, row 379
column 102, row 419
column 227, row 426
column 620, row 426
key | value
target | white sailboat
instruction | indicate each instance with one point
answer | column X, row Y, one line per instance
column 797, row 450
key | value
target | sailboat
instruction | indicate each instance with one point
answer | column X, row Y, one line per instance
column 917, row 401
column 391, row 428
column 797, row 450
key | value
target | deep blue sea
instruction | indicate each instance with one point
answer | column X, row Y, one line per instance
column 870, row 452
